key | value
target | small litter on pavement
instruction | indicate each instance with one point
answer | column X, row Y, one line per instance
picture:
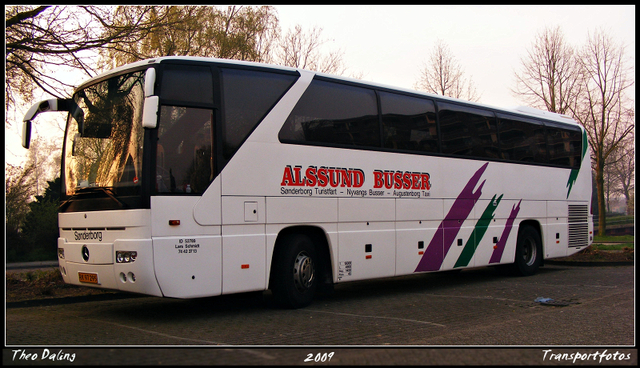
column 549, row 301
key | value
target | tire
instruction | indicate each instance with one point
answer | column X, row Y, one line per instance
column 294, row 274
column 528, row 252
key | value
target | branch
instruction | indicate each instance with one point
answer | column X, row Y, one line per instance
column 19, row 17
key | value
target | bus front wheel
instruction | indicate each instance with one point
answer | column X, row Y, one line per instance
column 294, row 278
column 528, row 252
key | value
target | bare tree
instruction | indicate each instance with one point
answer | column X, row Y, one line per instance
column 443, row 75
column 45, row 156
column 602, row 107
column 265, row 40
column 19, row 188
column 589, row 84
column 549, row 78
column 300, row 49
column 39, row 39
column 246, row 33
column 178, row 31
column 237, row 32
column 620, row 170
column 43, row 39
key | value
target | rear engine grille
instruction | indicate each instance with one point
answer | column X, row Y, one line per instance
column 578, row 226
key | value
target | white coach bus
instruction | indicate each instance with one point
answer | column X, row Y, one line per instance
column 189, row 177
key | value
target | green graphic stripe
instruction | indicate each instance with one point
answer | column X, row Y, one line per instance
column 573, row 176
column 478, row 232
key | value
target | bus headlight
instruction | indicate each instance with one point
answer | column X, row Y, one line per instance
column 61, row 253
column 126, row 256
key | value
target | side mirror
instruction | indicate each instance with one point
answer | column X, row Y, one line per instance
column 54, row 104
column 149, row 82
column 26, row 134
column 42, row 106
column 151, row 102
column 150, row 112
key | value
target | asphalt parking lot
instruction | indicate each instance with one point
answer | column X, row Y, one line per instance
column 471, row 317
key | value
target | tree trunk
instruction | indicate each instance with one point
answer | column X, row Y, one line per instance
column 602, row 211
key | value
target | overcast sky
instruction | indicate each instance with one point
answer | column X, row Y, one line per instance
column 390, row 44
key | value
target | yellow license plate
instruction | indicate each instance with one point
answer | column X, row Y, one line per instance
column 89, row 278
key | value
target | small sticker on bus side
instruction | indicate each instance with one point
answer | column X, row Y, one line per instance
column 344, row 269
column 187, row 246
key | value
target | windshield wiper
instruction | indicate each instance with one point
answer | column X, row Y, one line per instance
column 110, row 193
column 84, row 190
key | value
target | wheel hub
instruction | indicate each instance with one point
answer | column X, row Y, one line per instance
column 303, row 271
column 529, row 252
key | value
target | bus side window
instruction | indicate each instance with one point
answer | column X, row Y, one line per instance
column 184, row 153
column 160, row 167
column 331, row 113
column 522, row 140
column 467, row 131
column 248, row 97
column 409, row 123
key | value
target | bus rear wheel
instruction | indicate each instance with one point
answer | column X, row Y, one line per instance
column 528, row 252
column 294, row 271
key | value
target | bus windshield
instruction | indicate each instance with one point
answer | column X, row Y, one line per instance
column 103, row 143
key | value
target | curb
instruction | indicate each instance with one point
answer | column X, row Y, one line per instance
column 45, row 302
column 30, row 265
column 588, row 264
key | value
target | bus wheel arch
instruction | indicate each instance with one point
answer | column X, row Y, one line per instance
column 301, row 264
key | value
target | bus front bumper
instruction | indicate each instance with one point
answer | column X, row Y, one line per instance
column 132, row 272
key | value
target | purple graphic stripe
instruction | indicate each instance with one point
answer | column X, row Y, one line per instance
column 449, row 227
column 499, row 249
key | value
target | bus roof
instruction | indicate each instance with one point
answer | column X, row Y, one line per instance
column 519, row 110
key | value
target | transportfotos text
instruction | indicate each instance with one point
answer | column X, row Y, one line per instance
column 598, row 356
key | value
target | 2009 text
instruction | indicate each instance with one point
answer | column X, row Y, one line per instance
column 319, row 357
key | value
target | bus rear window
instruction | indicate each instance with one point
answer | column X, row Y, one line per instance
column 565, row 146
